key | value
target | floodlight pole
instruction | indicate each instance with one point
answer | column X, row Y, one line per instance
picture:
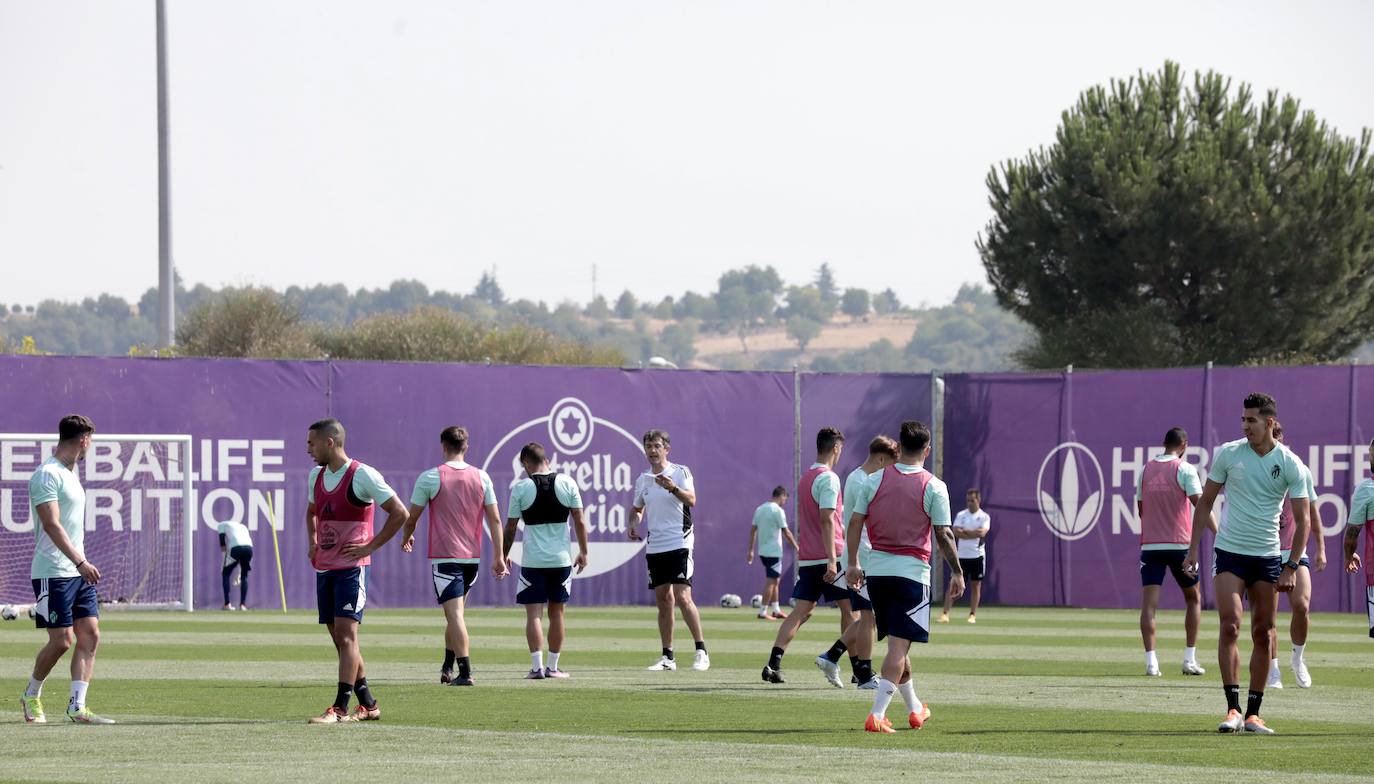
column 166, row 279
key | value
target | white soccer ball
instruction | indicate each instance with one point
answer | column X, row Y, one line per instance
column 730, row 600
column 756, row 601
column 9, row 612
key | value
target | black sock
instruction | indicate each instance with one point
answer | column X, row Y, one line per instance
column 836, row 651
column 341, row 699
column 448, row 659
column 775, row 658
column 1252, row 703
column 854, row 664
column 668, row 654
column 365, row 697
column 464, row 667
column 1232, row 696
column 865, row 671
column 701, row 645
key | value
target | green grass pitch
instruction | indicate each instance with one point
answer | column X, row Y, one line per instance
column 1025, row 695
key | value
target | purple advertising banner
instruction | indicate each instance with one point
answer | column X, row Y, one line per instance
column 1056, row 456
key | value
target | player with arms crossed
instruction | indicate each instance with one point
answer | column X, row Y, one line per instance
column 1300, row 598
column 458, row 496
column 338, row 522
column 545, row 500
column 901, row 507
column 664, row 497
column 1256, row 471
column 970, row 529
column 63, row 580
column 1167, row 489
column 768, row 530
column 820, row 505
column 1361, row 512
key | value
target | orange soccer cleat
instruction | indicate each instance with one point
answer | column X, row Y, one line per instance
column 878, row 724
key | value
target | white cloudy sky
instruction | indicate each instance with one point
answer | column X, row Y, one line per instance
column 662, row 141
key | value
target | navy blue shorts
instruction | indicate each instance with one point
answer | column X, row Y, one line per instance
column 858, row 600
column 1250, row 568
column 901, row 608
column 540, row 584
column 812, row 587
column 452, row 580
column 341, row 593
column 1154, row 563
column 771, row 566
column 58, row 601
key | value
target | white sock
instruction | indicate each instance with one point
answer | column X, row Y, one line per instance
column 763, row 611
column 774, row 607
column 35, row 688
column 1273, row 665
column 553, row 660
column 1190, row 654
column 1151, row 660
column 883, row 697
column 78, row 700
column 537, row 660
column 1297, row 650
column 908, row 691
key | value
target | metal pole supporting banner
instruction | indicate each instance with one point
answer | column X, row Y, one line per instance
column 1346, row 600
column 796, row 457
column 937, row 464
column 166, row 277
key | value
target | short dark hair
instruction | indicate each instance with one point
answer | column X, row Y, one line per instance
column 827, row 438
column 973, row 491
column 883, row 445
column 1176, row 436
column 779, row 491
column 454, row 438
column 330, row 428
column 661, row 435
column 914, row 437
column 74, row 426
column 533, row 452
column 1278, row 430
column 1265, row 404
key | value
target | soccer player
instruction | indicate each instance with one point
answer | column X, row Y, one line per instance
column 1256, row 471
column 858, row 638
column 820, row 507
column 1166, row 490
column 63, row 579
column 1361, row 512
column 902, row 507
column 663, row 497
column 342, row 494
column 1300, row 598
column 458, row 496
column 768, row 530
column 970, row 530
column 545, row 500
column 236, row 546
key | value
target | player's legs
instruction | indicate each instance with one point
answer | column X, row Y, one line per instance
column 345, row 634
column 801, row 612
column 87, row 640
column 1229, row 589
column 896, row 667
column 455, row 627
column 226, row 579
column 534, row 627
column 1192, row 614
column 59, row 641
column 663, row 598
column 556, row 627
column 682, row 596
column 1299, row 604
column 770, row 595
column 1263, row 606
column 846, row 615
column 975, row 592
column 1149, row 601
column 245, row 560
column 949, row 605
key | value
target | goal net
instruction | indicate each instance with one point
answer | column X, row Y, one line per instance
column 140, row 513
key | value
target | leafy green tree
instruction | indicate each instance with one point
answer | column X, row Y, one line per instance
column 886, row 302
column 803, row 330
column 664, row 309
column 678, row 341
column 1171, row 224
column 625, row 305
column 489, row 291
column 805, row 302
column 830, row 291
column 854, row 302
column 598, row 309
column 247, row 322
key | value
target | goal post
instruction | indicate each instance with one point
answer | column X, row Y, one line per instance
column 140, row 517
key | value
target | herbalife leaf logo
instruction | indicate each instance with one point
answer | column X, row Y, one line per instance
column 1071, row 509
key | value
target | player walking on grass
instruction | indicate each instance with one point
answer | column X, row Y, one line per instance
column 1361, row 512
column 970, row 530
column 1167, row 489
column 902, row 507
column 545, row 500
column 1256, row 471
column 236, row 546
column 338, row 522
column 858, row 638
column 63, row 579
column 768, row 530
column 664, row 497
column 1300, row 598
column 458, row 496
column 820, row 506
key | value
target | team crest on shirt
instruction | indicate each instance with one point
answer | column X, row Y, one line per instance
column 1275, row 471
column 1070, row 491
column 602, row 457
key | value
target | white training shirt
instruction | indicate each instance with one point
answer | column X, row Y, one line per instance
column 666, row 520
column 235, row 534
column 971, row 548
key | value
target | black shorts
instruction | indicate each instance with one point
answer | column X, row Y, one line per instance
column 671, row 568
column 1369, row 602
column 341, row 593
column 1154, row 563
column 541, row 584
column 973, row 568
column 812, row 587
column 858, row 600
column 771, row 566
column 1250, row 568
column 452, row 580
column 58, row 601
column 901, row 608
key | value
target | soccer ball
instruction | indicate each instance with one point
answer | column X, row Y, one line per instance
column 756, row 601
column 9, row 612
column 730, row 600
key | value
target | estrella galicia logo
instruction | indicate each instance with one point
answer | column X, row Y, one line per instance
column 1070, row 510
column 1275, row 471
column 602, row 457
